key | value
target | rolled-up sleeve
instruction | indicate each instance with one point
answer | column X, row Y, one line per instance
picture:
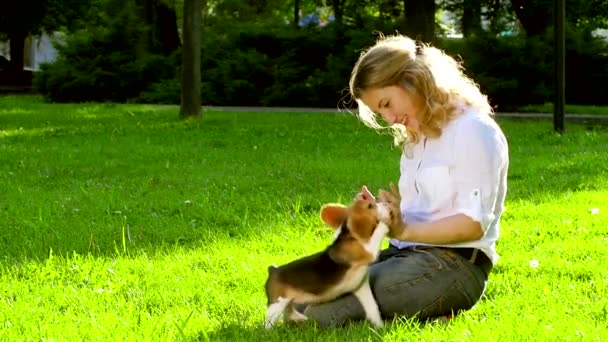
column 479, row 158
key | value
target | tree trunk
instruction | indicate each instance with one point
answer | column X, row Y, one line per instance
column 145, row 44
column 338, row 6
column 420, row 20
column 534, row 19
column 191, row 60
column 471, row 17
column 296, row 13
column 167, row 27
column 17, row 47
column 494, row 16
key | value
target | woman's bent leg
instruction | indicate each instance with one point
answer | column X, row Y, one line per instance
column 424, row 282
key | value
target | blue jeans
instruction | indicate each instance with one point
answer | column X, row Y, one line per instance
column 425, row 282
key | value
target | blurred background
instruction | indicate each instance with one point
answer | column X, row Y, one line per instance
column 296, row 53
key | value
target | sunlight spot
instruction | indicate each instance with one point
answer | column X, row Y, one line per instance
column 15, row 111
column 594, row 211
column 30, row 131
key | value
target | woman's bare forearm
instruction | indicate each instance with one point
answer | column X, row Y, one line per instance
column 452, row 229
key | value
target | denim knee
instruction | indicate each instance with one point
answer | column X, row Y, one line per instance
column 424, row 283
column 336, row 312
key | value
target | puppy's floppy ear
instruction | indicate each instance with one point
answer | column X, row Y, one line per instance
column 333, row 214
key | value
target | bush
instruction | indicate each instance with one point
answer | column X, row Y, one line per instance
column 516, row 71
column 309, row 67
column 269, row 67
column 164, row 92
column 100, row 63
column 512, row 71
column 586, row 69
column 249, row 65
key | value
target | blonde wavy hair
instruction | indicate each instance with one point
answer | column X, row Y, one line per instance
column 436, row 81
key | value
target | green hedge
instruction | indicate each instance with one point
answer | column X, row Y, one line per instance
column 101, row 62
column 310, row 67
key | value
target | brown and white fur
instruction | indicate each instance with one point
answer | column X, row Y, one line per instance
column 341, row 268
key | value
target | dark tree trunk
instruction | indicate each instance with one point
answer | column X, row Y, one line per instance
column 145, row 12
column 191, row 60
column 420, row 20
column 534, row 19
column 17, row 46
column 160, row 33
column 167, row 27
column 471, row 17
column 338, row 6
column 296, row 13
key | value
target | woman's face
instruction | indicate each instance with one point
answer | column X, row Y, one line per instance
column 394, row 104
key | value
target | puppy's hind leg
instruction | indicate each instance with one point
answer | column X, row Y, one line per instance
column 366, row 297
column 274, row 311
column 293, row 314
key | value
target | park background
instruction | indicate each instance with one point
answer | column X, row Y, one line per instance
column 120, row 220
column 300, row 53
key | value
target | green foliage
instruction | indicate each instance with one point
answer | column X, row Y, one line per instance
column 306, row 67
column 21, row 16
column 101, row 63
column 570, row 109
column 512, row 71
column 586, row 68
column 517, row 71
column 311, row 67
column 34, row 16
column 267, row 62
column 167, row 91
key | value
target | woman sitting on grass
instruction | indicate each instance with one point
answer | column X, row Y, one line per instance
column 451, row 190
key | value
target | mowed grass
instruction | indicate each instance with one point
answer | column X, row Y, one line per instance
column 122, row 222
column 569, row 109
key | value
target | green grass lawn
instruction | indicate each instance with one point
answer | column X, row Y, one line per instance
column 569, row 109
column 121, row 222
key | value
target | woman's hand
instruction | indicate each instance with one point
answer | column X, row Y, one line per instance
column 392, row 201
column 448, row 230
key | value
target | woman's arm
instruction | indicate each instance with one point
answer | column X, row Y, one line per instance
column 452, row 229
column 448, row 230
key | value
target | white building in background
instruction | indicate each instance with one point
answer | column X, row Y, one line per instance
column 37, row 50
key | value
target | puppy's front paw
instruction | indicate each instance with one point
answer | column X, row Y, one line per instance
column 378, row 324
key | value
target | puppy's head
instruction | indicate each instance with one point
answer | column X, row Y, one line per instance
column 359, row 227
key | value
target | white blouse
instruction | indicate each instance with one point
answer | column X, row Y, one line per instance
column 462, row 171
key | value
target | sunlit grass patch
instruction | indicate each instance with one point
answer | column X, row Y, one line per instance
column 122, row 222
